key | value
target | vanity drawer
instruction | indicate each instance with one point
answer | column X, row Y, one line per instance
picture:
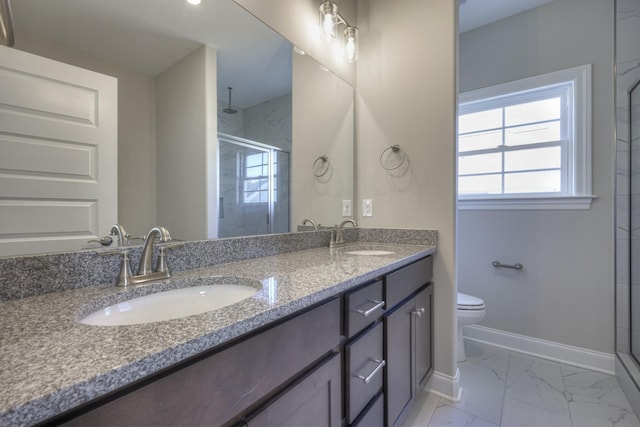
column 364, row 366
column 401, row 283
column 362, row 307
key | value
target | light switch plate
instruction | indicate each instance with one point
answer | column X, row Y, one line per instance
column 367, row 207
column 346, row 208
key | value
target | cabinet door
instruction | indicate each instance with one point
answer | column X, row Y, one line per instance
column 316, row 400
column 422, row 338
column 398, row 377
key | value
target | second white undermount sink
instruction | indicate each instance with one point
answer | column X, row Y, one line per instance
column 172, row 304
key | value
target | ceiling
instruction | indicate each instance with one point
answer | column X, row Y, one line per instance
column 476, row 13
column 151, row 35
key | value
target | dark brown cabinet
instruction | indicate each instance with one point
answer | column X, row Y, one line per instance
column 399, row 306
column 363, row 352
column 369, row 353
column 399, row 392
column 422, row 336
column 220, row 388
column 408, row 338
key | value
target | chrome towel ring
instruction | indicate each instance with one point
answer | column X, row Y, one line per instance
column 394, row 149
column 321, row 166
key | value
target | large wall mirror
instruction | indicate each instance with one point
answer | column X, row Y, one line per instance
column 284, row 111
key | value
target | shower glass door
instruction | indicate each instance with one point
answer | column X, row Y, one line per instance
column 634, row 218
column 253, row 185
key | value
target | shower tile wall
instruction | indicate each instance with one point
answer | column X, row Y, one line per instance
column 268, row 123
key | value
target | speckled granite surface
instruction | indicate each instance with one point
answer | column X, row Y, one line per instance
column 30, row 275
column 51, row 363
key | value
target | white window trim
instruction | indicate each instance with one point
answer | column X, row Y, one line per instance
column 581, row 196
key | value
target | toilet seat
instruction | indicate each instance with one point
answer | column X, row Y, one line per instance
column 469, row 302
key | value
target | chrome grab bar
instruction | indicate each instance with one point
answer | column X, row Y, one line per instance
column 378, row 304
column 368, row 378
column 516, row 266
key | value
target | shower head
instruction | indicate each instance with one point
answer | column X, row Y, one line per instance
column 230, row 109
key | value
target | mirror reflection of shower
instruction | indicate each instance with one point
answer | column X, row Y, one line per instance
column 254, row 146
column 229, row 109
column 253, row 188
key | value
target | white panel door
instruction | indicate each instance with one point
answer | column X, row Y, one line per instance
column 58, row 154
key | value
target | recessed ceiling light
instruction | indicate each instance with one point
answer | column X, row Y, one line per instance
column 193, row 1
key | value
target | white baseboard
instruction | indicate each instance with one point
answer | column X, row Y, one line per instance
column 445, row 386
column 567, row 354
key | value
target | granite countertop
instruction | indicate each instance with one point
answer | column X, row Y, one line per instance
column 52, row 363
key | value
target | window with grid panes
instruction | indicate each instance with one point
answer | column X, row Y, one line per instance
column 526, row 140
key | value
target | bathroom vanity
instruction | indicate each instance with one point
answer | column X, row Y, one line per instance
column 331, row 337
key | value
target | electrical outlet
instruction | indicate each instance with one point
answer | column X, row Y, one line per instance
column 367, row 207
column 346, row 208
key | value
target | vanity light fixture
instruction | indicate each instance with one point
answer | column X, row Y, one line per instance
column 194, row 2
column 329, row 21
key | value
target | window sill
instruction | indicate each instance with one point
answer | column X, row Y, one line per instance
column 517, row 203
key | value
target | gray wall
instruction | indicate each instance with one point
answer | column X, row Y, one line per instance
column 565, row 293
column 186, row 145
column 407, row 96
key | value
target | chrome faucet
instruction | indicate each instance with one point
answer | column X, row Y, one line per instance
column 145, row 268
column 310, row 221
column 145, row 273
column 336, row 236
column 119, row 231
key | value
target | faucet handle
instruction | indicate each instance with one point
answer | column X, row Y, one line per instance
column 125, row 274
column 162, row 266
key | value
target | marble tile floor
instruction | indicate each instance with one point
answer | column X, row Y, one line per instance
column 502, row 388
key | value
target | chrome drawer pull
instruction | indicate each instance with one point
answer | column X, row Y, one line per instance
column 418, row 312
column 366, row 313
column 367, row 379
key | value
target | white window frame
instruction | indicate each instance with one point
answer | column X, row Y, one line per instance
column 577, row 192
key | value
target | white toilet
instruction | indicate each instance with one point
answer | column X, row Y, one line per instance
column 471, row 310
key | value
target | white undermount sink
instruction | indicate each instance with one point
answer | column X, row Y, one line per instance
column 369, row 252
column 172, row 304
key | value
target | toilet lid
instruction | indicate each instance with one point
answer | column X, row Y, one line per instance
column 469, row 302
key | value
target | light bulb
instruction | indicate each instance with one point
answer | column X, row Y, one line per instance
column 327, row 26
column 328, row 19
column 351, row 43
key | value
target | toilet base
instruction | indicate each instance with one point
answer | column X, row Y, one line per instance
column 460, row 353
